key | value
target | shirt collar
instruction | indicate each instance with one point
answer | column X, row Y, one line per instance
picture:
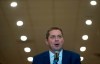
column 52, row 54
column 52, row 57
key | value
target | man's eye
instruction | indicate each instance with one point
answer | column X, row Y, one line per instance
column 59, row 36
column 52, row 36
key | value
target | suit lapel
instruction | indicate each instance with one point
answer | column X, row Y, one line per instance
column 65, row 58
column 46, row 58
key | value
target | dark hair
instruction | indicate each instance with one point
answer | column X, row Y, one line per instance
column 53, row 28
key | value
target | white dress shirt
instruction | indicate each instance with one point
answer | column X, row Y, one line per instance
column 52, row 57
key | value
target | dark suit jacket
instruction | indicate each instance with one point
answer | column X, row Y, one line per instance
column 68, row 57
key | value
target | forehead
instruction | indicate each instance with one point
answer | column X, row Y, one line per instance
column 55, row 32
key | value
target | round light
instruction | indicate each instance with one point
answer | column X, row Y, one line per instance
column 27, row 49
column 23, row 38
column 82, row 49
column 93, row 2
column 88, row 22
column 82, row 58
column 19, row 23
column 13, row 4
column 30, row 59
column 85, row 37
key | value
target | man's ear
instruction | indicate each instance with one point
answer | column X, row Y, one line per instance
column 46, row 41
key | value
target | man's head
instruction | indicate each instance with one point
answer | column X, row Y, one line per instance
column 54, row 38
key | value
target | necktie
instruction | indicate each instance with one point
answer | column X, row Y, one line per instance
column 55, row 62
column 56, row 58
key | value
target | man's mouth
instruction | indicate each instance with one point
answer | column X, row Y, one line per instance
column 56, row 45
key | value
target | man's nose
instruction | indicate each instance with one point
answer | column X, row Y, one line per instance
column 56, row 39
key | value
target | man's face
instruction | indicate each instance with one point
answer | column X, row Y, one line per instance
column 55, row 40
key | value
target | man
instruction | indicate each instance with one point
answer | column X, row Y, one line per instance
column 55, row 41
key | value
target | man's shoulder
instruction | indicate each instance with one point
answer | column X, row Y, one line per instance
column 40, row 58
column 68, row 52
column 45, row 53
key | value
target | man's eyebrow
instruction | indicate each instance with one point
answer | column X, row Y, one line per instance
column 52, row 35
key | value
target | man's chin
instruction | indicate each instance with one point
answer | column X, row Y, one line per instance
column 57, row 49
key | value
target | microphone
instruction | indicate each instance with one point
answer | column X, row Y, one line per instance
column 56, row 57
